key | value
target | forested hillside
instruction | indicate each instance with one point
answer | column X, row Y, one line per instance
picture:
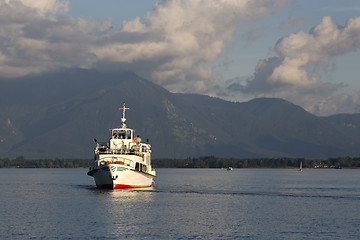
column 201, row 162
column 65, row 111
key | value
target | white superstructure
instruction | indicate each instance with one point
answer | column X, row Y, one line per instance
column 124, row 161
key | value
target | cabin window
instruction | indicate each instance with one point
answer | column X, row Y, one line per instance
column 122, row 134
column 115, row 134
column 128, row 134
column 140, row 167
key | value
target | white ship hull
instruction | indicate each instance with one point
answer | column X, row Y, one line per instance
column 117, row 176
column 124, row 161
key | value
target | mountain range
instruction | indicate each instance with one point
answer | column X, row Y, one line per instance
column 57, row 115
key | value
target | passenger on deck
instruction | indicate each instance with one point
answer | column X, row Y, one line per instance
column 126, row 150
column 132, row 150
column 138, row 141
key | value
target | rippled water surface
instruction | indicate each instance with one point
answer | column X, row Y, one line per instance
column 183, row 204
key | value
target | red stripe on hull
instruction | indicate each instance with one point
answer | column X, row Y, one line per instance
column 120, row 186
column 124, row 186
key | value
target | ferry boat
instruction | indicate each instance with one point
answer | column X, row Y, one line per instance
column 124, row 161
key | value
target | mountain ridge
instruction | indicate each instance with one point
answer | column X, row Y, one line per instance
column 59, row 114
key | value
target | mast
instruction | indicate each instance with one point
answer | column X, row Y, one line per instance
column 123, row 119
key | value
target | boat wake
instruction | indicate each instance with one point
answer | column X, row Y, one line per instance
column 262, row 193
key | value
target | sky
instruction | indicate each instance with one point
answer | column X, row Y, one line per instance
column 304, row 51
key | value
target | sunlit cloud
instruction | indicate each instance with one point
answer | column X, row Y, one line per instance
column 172, row 45
column 175, row 44
column 288, row 74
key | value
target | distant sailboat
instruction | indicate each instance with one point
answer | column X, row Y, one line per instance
column 300, row 169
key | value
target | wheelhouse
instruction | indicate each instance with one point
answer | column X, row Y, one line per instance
column 122, row 134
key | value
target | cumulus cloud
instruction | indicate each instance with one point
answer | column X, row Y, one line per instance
column 45, row 6
column 179, row 37
column 174, row 44
column 170, row 45
column 290, row 74
column 33, row 40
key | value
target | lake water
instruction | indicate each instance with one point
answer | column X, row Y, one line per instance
column 184, row 204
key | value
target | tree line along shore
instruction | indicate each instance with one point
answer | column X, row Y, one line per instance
column 200, row 162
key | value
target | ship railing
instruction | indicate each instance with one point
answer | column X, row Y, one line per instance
column 119, row 151
column 117, row 160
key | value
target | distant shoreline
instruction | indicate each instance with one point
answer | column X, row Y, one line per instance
column 201, row 162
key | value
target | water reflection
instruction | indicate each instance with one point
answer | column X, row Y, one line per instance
column 117, row 210
column 124, row 195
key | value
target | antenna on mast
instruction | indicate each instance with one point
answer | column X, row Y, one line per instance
column 123, row 119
